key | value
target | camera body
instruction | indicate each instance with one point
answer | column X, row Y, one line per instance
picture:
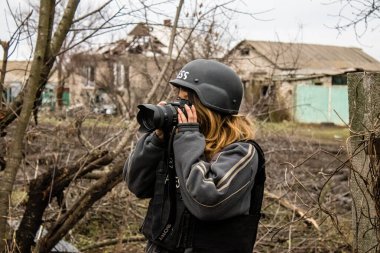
column 151, row 117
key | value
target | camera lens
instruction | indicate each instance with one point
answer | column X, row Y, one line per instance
column 148, row 120
column 148, row 116
column 151, row 117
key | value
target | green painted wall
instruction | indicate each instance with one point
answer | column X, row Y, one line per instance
column 319, row 104
column 339, row 99
column 66, row 98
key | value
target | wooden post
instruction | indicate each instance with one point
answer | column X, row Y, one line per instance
column 364, row 111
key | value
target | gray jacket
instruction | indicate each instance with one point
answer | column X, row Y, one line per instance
column 211, row 190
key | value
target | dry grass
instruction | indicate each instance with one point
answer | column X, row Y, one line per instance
column 304, row 168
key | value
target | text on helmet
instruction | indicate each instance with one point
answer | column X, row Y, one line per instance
column 182, row 74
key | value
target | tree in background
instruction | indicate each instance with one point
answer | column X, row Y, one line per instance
column 362, row 15
column 364, row 149
column 49, row 40
column 56, row 40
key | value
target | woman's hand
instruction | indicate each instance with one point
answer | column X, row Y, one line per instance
column 191, row 115
column 159, row 132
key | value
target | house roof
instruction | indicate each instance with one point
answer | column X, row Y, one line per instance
column 313, row 56
column 140, row 30
column 154, row 39
column 142, row 39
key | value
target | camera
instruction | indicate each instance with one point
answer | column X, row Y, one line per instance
column 151, row 117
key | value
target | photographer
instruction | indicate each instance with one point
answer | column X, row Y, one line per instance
column 199, row 165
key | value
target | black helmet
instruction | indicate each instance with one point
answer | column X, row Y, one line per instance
column 217, row 85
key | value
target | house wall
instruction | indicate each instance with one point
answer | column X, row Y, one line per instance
column 321, row 104
column 16, row 76
column 142, row 73
column 286, row 92
column 252, row 66
column 122, row 79
column 302, row 98
column 319, row 89
column 256, row 73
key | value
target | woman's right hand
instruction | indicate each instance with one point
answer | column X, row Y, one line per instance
column 159, row 132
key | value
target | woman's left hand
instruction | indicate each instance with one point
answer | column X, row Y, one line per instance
column 191, row 115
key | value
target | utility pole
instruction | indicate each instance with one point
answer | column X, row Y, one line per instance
column 364, row 150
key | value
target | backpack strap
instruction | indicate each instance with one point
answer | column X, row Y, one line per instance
column 257, row 193
column 172, row 192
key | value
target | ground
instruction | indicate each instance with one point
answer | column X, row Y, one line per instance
column 307, row 204
column 306, row 169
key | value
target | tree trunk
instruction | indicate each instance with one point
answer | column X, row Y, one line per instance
column 16, row 147
column 61, row 83
column 79, row 208
column 5, row 46
column 46, row 187
column 364, row 108
column 55, row 47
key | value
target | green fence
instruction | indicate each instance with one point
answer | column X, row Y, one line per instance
column 320, row 104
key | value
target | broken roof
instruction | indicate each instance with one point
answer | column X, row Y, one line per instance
column 154, row 39
column 288, row 56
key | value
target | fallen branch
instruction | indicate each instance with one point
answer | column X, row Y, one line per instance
column 112, row 242
column 299, row 211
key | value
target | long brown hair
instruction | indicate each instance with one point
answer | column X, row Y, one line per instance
column 220, row 130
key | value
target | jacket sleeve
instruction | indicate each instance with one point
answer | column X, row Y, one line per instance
column 140, row 169
column 220, row 188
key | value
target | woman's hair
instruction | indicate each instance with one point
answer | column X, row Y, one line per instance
column 220, row 130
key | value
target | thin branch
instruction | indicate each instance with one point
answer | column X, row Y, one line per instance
column 98, row 10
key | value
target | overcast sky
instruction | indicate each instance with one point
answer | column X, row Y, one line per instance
column 307, row 21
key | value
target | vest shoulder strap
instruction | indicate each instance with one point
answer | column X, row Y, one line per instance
column 257, row 193
column 260, row 176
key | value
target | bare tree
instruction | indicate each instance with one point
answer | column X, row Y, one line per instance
column 47, row 49
column 56, row 40
column 9, row 45
column 360, row 15
column 364, row 98
column 48, row 46
column 43, row 59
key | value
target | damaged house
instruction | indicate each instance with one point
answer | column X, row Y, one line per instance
column 306, row 83
column 16, row 76
column 117, row 76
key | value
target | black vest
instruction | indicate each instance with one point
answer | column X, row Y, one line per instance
column 169, row 224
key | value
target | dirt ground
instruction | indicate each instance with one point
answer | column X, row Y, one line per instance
column 307, row 205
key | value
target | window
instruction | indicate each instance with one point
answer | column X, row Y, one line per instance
column 90, row 76
column 119, row 74
column 339, row 80
column 264, row 90
column 245, row 83
column 12, row 92
column 244, row 51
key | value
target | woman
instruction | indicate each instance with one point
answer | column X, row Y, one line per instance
column 206, row 183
